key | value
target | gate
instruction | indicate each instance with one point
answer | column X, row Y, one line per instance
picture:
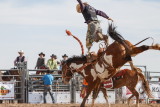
column 17, row 76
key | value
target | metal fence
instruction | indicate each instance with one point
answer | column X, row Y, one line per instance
column 29, row 82
column 18, row 83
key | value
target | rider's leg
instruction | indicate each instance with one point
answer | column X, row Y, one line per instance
column 101, row 36
column 106, row 40
column 88, row 45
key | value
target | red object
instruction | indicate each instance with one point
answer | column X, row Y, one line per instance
column 128, row 91
column 42, row 67
column 108, row 83
column 120, row 73
column 83, row 92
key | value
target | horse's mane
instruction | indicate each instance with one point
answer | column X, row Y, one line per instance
column 77, row 58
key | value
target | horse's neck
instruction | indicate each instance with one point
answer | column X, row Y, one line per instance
column 108, row 59
column 75, row 65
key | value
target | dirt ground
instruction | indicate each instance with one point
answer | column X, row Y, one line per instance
column 74, row 105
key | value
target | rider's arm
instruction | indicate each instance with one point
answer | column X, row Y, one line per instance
column 81, row 5
column 103, row 14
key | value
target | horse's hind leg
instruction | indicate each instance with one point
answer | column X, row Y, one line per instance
column 129, row 99
column 136, row 94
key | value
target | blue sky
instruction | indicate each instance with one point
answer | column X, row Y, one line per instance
column 39, row 25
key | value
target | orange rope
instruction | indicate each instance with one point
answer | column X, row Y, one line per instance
column 70, row 34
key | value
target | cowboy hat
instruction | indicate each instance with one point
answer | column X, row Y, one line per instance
column 41, row 54
column 78, row 8
column 54, row 56
column 64, row 55
column 20, row 51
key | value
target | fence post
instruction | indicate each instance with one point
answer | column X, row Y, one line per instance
column 73, row 89
column 23, row 71
column 26, row 77
column 118, row 95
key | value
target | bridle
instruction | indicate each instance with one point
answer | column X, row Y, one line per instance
column 67, row 68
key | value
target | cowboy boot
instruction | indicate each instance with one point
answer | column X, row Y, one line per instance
column 98, row 37
column 106, row 40
column 89, row 57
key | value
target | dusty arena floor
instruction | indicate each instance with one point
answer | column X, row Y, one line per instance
column 74, row 105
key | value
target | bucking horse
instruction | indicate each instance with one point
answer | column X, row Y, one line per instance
column 124, row 77
column 111, row 59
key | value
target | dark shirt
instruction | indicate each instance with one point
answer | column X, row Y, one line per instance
column 19, row 59
column 40, row 62
column 98, row 12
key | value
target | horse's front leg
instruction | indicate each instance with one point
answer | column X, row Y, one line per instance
column 104, row 91
column 93, row 100
column 94, row 96
column 89, row 90
column 85, row 98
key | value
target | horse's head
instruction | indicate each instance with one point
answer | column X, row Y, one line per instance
column 69, row 67
column 67, row 73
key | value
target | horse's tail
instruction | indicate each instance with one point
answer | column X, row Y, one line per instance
column 145, row 40
column 114, row 34
column 145, row 84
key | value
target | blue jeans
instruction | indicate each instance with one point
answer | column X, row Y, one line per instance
column 47, row 89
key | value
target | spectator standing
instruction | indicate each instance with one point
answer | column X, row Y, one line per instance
column 47, row 81
column 52, row 63
column 40, row 61
column 20, row 58
column 65, row 57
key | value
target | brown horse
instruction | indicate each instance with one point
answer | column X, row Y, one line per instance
column 11, row 72
column 89, row 74
column 129, row 79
